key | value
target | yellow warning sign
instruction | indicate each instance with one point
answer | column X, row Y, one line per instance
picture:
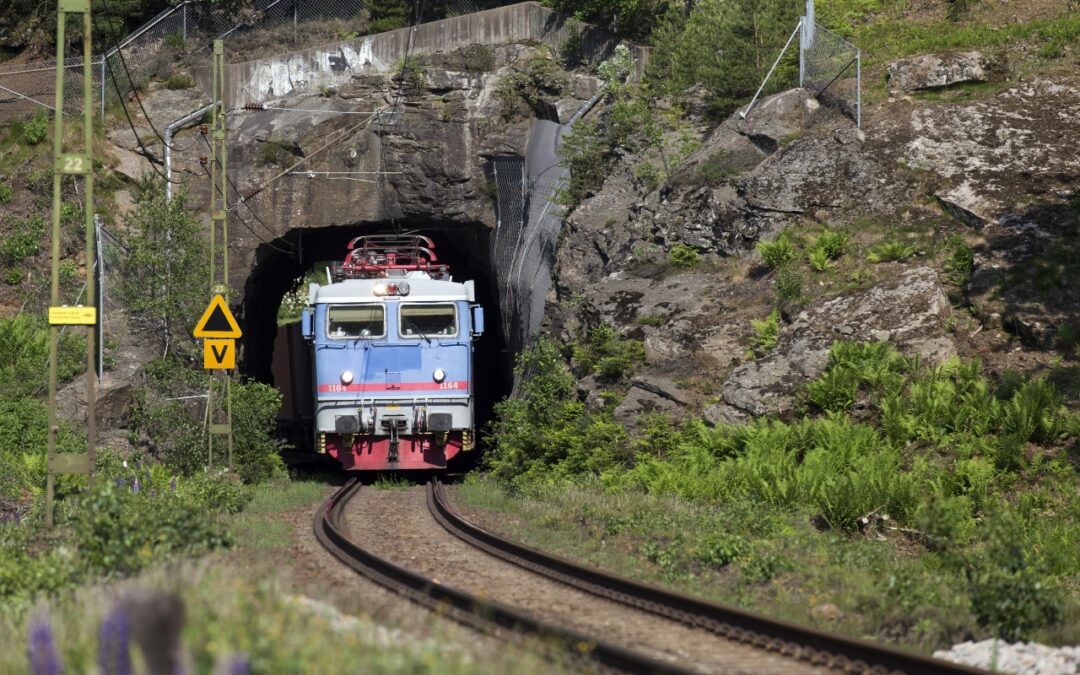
column 219, row 354
column 73, row 316
column 217, row 321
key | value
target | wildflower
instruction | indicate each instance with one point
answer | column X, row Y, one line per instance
column 172, row 484
column 41, row 650
column 135, row 485
column 114, row 656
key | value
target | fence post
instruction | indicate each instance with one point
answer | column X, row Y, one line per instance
column 183, row 23
column 295, row 12
column 858, row 89
column 100, row 263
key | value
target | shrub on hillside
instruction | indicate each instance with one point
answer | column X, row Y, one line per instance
column 778, row 252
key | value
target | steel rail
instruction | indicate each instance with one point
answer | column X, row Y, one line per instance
column 484, row 615
column 810, row 645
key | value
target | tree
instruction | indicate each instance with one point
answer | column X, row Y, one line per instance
column 725, row 45
column 164, row 279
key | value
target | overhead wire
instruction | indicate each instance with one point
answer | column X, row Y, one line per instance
column 127, row 114
column 241, row 196
column 243, row 222
column 127, row 71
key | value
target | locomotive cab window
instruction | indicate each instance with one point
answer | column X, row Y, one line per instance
column 355, row 321
column 419, row 321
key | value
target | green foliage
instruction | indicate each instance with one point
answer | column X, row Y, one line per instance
column 13, row 276
column 788, row 285
column 958, row 8
column 180, row 81
column 891, row 251
column 36, row 130
column 608, row 355
column 120, row 532
column 545, row 433
column 257, row 448
column 6, row 193
column 528, row 84
column 751, row 32
column 630, row 19
column 585, row 152
column 959, row 261
column 173, row 41
column 720, row 550
column 778, row 252
column 23, row 238
column 165, row 292
column 684, row 256
column 23, row 443
column 829, row 246
column 24, row 355
column 766, row 333
column 1008, row 591
column 478, row 58
column 388, row 15
column 408, row 73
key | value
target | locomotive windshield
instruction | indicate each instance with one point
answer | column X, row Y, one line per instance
column 428, row 321
column 356, row 321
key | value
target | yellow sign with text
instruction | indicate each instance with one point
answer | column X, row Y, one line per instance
column 73, row 316
column 219, row 354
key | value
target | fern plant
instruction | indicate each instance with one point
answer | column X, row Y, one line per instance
column 778, row 252
column 891, row 251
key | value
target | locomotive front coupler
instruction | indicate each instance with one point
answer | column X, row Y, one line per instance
column 393, row 425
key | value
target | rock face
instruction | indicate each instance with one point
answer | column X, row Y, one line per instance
column 934, row 71
column 909, row 313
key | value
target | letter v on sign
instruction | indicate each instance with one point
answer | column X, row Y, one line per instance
column 219, row 354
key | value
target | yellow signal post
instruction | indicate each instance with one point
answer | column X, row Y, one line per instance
column 218, row 323
column 72, row 164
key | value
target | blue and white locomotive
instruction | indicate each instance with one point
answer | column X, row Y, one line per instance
column 392, row 357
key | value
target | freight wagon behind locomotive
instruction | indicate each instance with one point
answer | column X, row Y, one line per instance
column 392, row 341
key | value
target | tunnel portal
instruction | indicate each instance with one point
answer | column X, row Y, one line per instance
column 271, row 354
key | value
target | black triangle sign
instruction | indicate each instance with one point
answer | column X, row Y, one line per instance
column 217, row 321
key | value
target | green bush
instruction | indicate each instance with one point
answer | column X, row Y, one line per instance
column 119, row 532
column 1009, row 594
column 788, row 285
column 959, row 261
column 180, row 81
column 478, row 58
column 36, row 130
column 584, row 151
column 684, row 257
column 720, row 550
column 766, row 333
column 778, row 252
column 891, row 251
column 607, row 355
column 24, row 355
column 6, row 193
column 829, row 246
column 13, row 276
column 23, row 239
column 257, row 448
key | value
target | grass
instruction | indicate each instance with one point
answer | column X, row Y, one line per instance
column 231, row 612
column 955, row 490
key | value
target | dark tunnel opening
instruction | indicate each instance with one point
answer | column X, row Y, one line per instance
column 265, row 347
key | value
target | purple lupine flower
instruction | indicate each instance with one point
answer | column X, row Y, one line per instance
column 172, row 484
column 41, row 649
column 119, row 482
column 114, row 656
column 239, row 665
column 135, row 485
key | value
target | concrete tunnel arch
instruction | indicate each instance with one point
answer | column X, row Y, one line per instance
column 280, row 262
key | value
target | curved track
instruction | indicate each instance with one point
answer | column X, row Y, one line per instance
column 805, row 648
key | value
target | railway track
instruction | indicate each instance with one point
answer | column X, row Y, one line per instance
column 784, row 647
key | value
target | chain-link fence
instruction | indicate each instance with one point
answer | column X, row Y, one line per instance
column 508, row 177
column 111, row 254
column 831, row 68
column 190, row 27
column 26, row 88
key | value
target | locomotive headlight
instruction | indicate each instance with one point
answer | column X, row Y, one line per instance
column 346, row 377
column 403, row 288
column 439, row 375
column 380, row 289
